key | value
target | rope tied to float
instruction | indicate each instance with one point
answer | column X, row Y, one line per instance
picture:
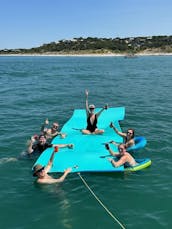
column 100, row 202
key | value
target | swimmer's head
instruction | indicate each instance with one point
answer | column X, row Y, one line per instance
column 91, row 107
column 37, row 169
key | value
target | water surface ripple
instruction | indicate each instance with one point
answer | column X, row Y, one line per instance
column 33, row 88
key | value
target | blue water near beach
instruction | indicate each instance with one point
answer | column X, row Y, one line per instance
column 33, row 88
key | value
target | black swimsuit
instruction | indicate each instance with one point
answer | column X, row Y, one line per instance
column 38, row 148
column 91, row 127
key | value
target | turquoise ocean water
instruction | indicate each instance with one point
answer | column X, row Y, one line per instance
column 33, row 88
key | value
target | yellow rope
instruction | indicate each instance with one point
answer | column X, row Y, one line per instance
column 101, row 202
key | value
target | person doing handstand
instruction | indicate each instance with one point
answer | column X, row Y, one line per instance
column 124, row 158
column 41, row 172
column 92, row 118
column 127, row 137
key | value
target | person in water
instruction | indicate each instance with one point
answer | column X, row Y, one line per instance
column 128, row 137
column 42, row 144
column 51, row 132
column 41, row 172
column 92, row 118
column 124, row 158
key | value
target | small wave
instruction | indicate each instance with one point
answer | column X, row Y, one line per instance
column 7, row 159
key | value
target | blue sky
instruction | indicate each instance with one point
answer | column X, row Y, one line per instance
column 31, row 23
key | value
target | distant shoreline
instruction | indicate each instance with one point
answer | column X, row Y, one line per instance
column 92, row 54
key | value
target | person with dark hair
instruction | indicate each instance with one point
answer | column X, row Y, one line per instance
column 42, row 144
column 41, row 172
column 128, row 137
column 92, row 118
column 124, row 158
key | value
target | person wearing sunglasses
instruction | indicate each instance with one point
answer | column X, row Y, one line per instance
column 128, row 137
column 123, row 157
column 51, row 132
column 92, row 118
column 41, row 172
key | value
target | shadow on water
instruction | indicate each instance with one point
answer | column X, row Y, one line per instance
column 117, row 176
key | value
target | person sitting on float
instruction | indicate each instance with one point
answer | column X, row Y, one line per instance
column 92, row 118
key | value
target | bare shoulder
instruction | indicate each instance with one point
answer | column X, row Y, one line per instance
column 48, row 131
column 131, row 142
column 40, row 181
column 47, row 180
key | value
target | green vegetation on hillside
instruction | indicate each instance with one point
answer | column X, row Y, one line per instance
column 132, row 45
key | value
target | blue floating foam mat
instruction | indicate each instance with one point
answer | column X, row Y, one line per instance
column 89, row 153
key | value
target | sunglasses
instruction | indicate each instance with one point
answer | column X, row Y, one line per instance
column 129, row 133
column 55, row 127
column 40, row 170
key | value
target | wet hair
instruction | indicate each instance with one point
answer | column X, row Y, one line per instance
column 42, row 135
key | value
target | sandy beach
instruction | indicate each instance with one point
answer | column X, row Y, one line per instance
column 93, row 55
